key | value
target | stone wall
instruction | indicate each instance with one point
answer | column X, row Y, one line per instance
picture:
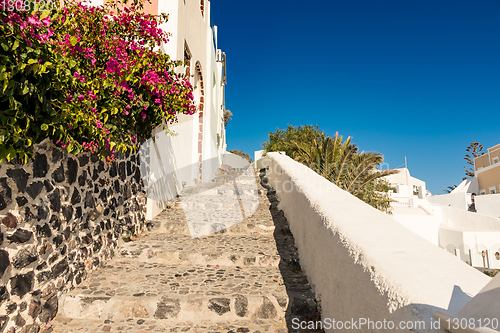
column 60, row 218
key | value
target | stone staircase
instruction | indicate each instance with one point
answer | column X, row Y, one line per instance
column 246, row 277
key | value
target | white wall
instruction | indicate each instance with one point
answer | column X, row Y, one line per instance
column 361, row 262
column 426, row 226
column 459, row 200
column 488, row 204
column 452, row 217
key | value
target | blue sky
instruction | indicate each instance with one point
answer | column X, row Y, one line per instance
column 419, row 79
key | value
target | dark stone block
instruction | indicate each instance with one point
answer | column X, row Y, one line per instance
column 103, row 195
column 5, row 194
column 137, row 175
column 219, row 305
column 49, row 309
column 82, row 178
column 57, row 155
column 89, row 200
column 55, row 222
column 22, row 306
column 121, row 171
column 266, row 310
column 75, row 197
column 44, row 276
column 4, row 294
column 20, row 177
column 96, row 188
column 58, row 174
column 105, row 213
column 241, row 305
column 24, row 257
column 21, row 201
column 3, row 322
column 67, row 212
column 127, row 192
column 55, row 200
column 78, row 213
column 59, row 268
column 34, row 189
column 113, row 170
column 94, row 158
column 19, row 320
column 83, row 159
column 43, row 231
column 22, row 284
column 100, row 166
column 117, row 186
column 95, row 174
column 167, row 308
column 48, row 186
column 10, row 221
column 43, row 213
column 87, row 239
column 10, row 307
column 4, row 261
column 67, row 233
column 41, row 266
column 63, row 250
column 108, row 224
column 95, row 262
column 72, row 170
column 20, row 236
column 40, row 166
column 57, row 240
column 1, row 240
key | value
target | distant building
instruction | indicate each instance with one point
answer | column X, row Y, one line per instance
column 487, row 171
column 408, row 188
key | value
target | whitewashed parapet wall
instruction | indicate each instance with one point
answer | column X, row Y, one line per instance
column 60, row 218
column 361, row 262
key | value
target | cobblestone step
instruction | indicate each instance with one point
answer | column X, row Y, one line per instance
column 181, row 292
column 245, row 277
column 132, row 325
column 218, row 249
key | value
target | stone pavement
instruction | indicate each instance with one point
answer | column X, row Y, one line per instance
column 178, row 277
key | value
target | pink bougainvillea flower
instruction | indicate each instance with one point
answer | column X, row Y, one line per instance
column 143, row 115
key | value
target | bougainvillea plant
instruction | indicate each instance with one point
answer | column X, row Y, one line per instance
column 89, row 78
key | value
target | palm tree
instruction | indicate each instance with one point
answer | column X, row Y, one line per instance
column 340, row 162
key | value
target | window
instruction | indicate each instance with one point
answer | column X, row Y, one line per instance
column 495, row 160
column 482, row 192
column 187, row 59
column 493, row 190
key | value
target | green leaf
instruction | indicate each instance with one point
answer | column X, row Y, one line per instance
column 73, row 40
column 32, row 61
column 44, row 127
column 72, row 64
column 16, row 44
